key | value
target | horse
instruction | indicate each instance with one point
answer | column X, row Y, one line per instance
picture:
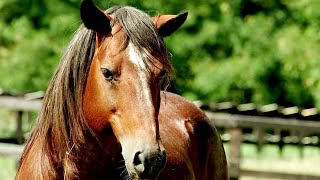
column 104, row 115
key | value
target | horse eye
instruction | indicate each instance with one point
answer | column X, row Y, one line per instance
column 107, row 74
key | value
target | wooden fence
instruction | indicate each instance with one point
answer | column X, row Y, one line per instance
column 20, row 105
column 233, row 124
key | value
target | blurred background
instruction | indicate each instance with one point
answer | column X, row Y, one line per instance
column 229, row 54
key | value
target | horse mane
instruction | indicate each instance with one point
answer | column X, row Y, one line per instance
column 61, row 126
column 61, row 123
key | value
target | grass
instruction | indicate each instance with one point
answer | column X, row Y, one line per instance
column 7, row 168
column 290, row 161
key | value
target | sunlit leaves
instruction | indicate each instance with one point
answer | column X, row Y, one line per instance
column 228, row 50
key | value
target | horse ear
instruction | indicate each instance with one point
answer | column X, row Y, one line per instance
column 167, row 24
column 94, row 18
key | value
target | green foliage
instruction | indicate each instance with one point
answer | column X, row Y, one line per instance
column 228, row 50
column 32, row 42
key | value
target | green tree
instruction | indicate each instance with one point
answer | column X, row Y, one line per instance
column 228, row 50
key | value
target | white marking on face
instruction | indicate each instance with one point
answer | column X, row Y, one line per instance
column 137, row 59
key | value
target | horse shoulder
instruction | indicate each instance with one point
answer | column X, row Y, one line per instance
column 194, row 136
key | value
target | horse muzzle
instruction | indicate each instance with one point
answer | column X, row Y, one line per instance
column 147, row 165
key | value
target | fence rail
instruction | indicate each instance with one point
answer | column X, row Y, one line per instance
column 13, row 150
column 20, row 103
column 246, row 121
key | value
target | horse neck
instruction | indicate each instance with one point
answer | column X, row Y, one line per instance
column 35, row 164
column 36, row 161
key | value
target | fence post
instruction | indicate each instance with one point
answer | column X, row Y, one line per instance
column 300, row 143
column 235, row 153
column 19, row 133
column 260, row 139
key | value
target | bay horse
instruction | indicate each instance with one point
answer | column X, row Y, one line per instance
column 104, row 115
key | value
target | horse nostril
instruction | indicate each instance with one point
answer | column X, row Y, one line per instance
column 148, row 166
column 162, row 158
column 136, row 159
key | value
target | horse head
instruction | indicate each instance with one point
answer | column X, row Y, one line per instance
column 123, row 84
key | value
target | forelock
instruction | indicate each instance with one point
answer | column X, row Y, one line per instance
column 142, row 33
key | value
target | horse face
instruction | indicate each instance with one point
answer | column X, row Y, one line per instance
column 123, row 91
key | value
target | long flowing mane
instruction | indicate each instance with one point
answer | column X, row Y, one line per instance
column 61, row 124
column 61, row 127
